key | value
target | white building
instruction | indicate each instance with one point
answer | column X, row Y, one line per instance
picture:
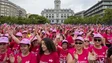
column 57, row 15
column 8, row 8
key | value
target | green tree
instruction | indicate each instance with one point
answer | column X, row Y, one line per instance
column 107, row 16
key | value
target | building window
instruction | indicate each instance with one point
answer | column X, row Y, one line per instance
column 61, row 16
column 49, row 16
column 52, row 16
column 46, row 16
column 52, row 20
column 64, row 15
column 61, row 21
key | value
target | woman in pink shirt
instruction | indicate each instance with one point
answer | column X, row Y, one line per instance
column 4, row 51
column 86, row 44
column 63, row 52
column 47, row 52
column 35, row 44
column 78, row 54
column 25, row 56
column 108, row 37
column 99, row 49
column 109, row 55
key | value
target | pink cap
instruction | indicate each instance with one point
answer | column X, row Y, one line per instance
column 29, row 29
column 43, row 32
column 51, row 29
column 98, row 35
column 4, row 40
column 65, row 41
column 24, row 31
column 25, row 41
column 54, row 30
column 6, row 35
column 80, row 33
column 86, row 38
column 80, row 38
column 76, row 32
column 19, row 34
column 34, row 39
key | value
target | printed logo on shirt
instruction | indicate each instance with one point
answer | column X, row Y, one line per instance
column 101, row 60
column 85, row 58
column 50, row 60
column 109, row 40
column 81, row 62
column 37, row 49
column 27, row 62
column 103, row 52
column 43, row 62
column 0, row 56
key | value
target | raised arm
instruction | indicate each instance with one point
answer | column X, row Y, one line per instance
column 13, row 37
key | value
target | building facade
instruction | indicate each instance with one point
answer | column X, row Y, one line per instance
column 57, row 15
column 81, row 14
column 99, row 8
column 8, row 8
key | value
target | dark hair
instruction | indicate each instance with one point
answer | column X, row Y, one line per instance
column 109, row 52
column 49, row 44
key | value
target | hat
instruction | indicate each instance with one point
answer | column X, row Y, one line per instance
column 98, row 35
column 6, row 35
column 51, row 29
column 76, row 32
column 24, row 32
column 79, row 38
column 30, row 29
column 43, row 32
column 86, row 38
column 80, row 33
column 54, row 30
column 19, row 34
column 65, row 41
column 25, row 41
column 34, row 39
column 4, row 40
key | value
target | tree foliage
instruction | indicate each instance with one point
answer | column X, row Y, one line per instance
column 106, row 18
column 32, row 19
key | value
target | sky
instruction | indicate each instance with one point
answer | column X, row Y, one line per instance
column 36, row 6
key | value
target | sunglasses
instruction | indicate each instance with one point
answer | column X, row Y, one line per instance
column 99, row 40
column 78, row 43
column 2, row 43
column 86, row 41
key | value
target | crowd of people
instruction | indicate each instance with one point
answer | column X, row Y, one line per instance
column 47, row 43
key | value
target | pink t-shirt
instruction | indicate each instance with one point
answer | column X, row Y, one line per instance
column 14, row 47
column 2, row 56
column 82, row 58
column 62, row 55
column 108, row 38
column 31, row 58
column 51, row 58
column 101, row 53
column 35, row 50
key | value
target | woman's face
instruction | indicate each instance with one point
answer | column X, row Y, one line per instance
column 108, row 31
column 97, row 41
column 3, row 47
column 79, row 44
column 64, row 45
column 86, row 42
column 43, row 45
column 24, row 48
column 25, row 34
column 35, row 43
column 20, row 38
